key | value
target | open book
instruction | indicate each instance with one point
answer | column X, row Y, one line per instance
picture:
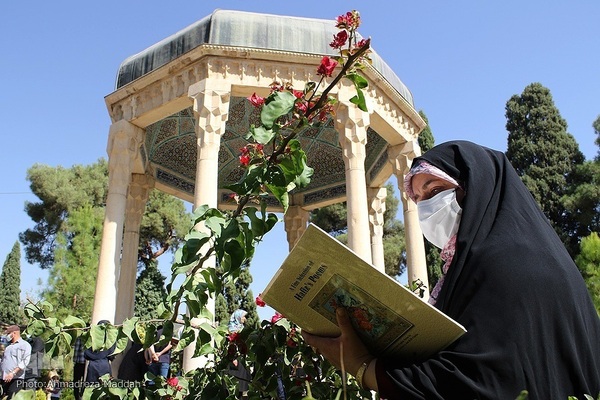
column 320, row 274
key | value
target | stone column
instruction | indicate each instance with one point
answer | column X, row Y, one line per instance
column 351, row 125
column 295, row 221
column 211, row 108
column 376, row 209
column 139, row 190
column 401, row 156
column 123, row 146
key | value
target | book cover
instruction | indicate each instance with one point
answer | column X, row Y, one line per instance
column 321, row 274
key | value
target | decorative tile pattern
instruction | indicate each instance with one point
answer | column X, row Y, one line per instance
column 171, row 147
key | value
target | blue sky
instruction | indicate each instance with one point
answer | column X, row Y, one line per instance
column 462, row 60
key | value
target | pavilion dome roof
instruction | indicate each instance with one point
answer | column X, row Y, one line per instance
column 247, row 30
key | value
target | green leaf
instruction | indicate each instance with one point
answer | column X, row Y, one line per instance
column 25, row 395
column 359, row 100
column 359, row 81
column 74, row 322
column 262, row 135
column 97, row 336
column 112, row 333
column 121, row 343
column 280, row 104
column 187, row 336
column 36, row 328
column 129, row 326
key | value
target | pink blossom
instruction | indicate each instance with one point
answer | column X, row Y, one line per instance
column 256, row 101
column 327, row 66
column 173, row 381
column 276, row 317
column 350, row 20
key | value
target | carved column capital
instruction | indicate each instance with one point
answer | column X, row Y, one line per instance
column 351, row 124
column 295, row 221
column 124, row 141
column 211, row 109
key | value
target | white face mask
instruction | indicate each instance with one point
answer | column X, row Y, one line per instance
column 439, row 217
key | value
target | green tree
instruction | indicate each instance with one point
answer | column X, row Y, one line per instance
column 149, row 292
column 588, row 262
column 10, row 287
column 432, row 253
column 236, row 294
column 163, row 226
column 596, row 126
column 545, row 155
column 60, row 190
column 70, row 281
column 426, row 139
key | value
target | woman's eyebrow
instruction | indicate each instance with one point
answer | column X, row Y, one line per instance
column 424, row 187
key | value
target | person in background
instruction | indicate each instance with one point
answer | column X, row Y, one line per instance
column 98, row 361
column 237, row 368
column 508, row 280
column 78, row 368
column 36, row 361
column 133, row 365
column 53, row 388
column 159, row 357
column 14, row 361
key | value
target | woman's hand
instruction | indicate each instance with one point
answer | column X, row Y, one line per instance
column 355, row 352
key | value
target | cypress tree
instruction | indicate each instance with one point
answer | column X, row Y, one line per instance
column 10, row 287
column 75, row 264
column 544, row 154
column 149, row 292
column 236, row 293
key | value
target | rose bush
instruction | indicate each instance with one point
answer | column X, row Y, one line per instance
column 274, row 164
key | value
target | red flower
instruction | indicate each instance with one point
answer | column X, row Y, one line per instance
column 339, row 39
column 276, row 317
column 245, row 160
column 350, row 20
column 298, row 94
column 256, row 101
column 173, row 381
column 327, row 66
column 232, row 336
column 259, row 301
column 301, row 106
column 361, row 43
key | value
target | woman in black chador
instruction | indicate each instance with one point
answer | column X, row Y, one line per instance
column 507, row 279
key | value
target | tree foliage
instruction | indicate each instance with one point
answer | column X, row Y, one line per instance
column 150, row 292
column 10, row 287
column 596, row 126
column 235, row 294
column 426, row 139
column 545, row 155
column 588, row 262
column 163, row 226
column 71, row 280
column 61, row 191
